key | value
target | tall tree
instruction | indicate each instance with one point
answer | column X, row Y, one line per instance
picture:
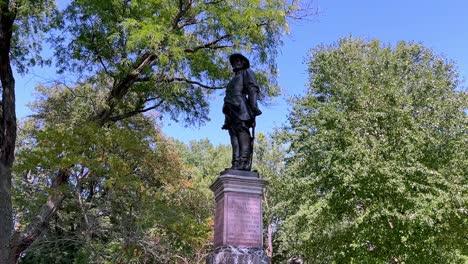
column 168, row 55
column 30, row 17
column 117, row 205
column 378, row 163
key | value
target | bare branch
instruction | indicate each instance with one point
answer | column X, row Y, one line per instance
column 103, row 65
column 175, row 79
column 149, row 99
column 301, row 10
column 210, row 45
column 179, row 79
column 135, row 112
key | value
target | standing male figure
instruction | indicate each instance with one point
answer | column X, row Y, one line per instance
column 240, row 109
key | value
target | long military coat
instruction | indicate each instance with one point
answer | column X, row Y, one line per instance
column 237, row 105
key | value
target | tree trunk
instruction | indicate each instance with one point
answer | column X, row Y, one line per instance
column 40, row 224
column 7, row 133
column 270, row 241
column 6, row 213
column 8, row 130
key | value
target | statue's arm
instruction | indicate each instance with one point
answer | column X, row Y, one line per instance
column 252, row 90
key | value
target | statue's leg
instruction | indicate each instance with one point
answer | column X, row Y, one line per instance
column 235, row 149
column 245, row 148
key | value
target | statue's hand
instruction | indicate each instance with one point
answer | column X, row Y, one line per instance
column 256, row 111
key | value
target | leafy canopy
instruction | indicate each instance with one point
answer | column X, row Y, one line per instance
column 168, row 55
column 32, row 19
column 378, row 158
column 90, row 154
column 121, row 180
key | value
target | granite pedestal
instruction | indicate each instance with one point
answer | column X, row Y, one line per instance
column 238, row 232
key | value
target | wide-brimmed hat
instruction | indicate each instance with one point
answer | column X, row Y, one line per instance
column 239, row 56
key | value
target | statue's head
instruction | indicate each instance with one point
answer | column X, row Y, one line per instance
column 239, row 62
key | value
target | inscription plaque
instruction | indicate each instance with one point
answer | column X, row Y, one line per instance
column 244, row 220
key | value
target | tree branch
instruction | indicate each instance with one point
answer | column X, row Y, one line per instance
column 135, row 112
column 120, row 89
column 103, row 65
column 40, row 224
column 182, row 11
column 210, row 45
column 175, row 79
column 178, row 79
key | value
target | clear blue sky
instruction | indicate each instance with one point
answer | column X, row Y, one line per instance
column 439, row 25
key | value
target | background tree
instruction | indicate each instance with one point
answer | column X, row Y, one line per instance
column 116, row 205
column 378, row 163
column 202, row 164
column 18, row 47
column 132, row 194
column 269, row 162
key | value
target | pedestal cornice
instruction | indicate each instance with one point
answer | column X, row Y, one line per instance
column 229, row 182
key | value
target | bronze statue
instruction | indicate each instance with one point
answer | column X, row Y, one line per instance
column 240, row 109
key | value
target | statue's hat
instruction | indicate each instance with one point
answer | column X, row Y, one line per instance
column 240, row 56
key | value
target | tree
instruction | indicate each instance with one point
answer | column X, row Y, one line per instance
column 16, row 46
column 119, row 204
column 377, row 160
column 202, row 164
column 140, row 56
column 167, row 55
column 269, row 162
column 132, row 194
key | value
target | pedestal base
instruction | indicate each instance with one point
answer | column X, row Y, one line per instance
column 238, row 214
column 237, row 255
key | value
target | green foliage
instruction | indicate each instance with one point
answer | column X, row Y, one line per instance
column 126, row 184
column 178, row 31
column 378, row 158
column 269, row 162
column 202, row 163
column 33, row 18
column 203, row 160
column 133, row 195
column 169, row 55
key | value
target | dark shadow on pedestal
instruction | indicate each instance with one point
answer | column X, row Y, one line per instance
column 237, row 255
column 239, row 173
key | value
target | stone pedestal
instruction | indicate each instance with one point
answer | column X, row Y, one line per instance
column 238, row 232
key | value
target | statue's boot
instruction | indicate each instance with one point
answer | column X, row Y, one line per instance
column 244, row 163
column 245, row 151
column 236, row 164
